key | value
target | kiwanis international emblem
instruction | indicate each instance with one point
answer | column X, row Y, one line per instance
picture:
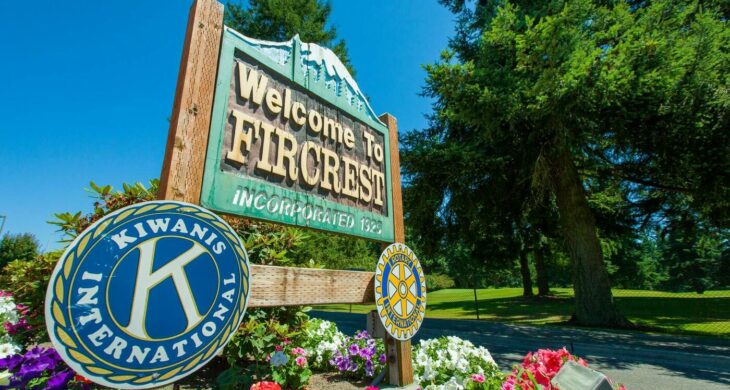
column 400, row 291
column 148, row 294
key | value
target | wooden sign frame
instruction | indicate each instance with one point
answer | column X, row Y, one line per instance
column 182, row 174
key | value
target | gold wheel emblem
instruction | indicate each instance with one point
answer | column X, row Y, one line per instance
column 400, row 291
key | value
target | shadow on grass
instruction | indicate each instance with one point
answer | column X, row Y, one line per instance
column 676, row 312
column 685, row 315
column 554, row 309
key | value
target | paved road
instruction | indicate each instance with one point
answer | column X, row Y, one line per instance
column 640, row 361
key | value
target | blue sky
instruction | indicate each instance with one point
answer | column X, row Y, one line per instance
column 87, row 90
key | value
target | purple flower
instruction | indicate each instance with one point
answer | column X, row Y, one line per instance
column 367, row 353
column 362, row 335
column 20, row 326
column 382, row 358
column 10, row 363
column 32, row 369
column 341, row 362
column 369, row 368
column 34, row 353
column 352, row 366
column 59, row 380
column 354, row 349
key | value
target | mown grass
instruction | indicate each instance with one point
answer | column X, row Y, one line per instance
column 704, row 314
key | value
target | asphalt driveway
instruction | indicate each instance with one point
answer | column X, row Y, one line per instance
column 640, row 361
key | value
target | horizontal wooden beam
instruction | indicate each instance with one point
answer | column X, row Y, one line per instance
column 285, row 286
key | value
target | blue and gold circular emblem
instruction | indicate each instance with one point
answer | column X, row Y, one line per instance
column 147, row 294
column 400, row 291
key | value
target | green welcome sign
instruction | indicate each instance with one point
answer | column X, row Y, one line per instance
column 293, row 140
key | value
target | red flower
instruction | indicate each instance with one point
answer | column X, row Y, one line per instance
column 542, row 365
column 79, row 378
column 265, row 386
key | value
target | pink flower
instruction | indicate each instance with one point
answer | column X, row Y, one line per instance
column 278, row 348
column 297, row 351
column 371, row 388
column 542, row 365
column 22, row 309
column 301, row 361
column 509, row 384
column 287, row 342
column 479, row 378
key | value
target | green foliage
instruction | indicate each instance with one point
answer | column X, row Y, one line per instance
column 280, row 20
column 693, row 254
column 107, row 201
column 249, row 351
column 437, row 281
column 627, row 102
column 292, row 372
column 270, row 244
column 28, row 280
column 17, row 247
column 337, row 252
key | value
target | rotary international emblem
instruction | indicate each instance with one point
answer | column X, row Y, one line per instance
column 400, row 291
column 148, row 294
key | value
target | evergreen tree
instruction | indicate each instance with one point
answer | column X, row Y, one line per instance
column 551, row 96
column 22, row 247
column 280, row 20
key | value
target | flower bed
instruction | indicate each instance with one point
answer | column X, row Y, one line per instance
column 281, row 350
column 453, row 363
column 14, row 323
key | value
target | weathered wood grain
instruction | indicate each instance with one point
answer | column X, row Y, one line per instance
column 286, row 286
column 400, row 367
column 187, row 139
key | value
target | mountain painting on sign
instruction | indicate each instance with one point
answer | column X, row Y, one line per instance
column 293, row 140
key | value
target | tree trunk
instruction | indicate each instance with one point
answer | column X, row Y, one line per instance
column 525, row 271
column 594, row 303
column 543, row 288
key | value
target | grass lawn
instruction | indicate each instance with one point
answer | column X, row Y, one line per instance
column 706, row 314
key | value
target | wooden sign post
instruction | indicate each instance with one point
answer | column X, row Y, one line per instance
column 189, row 147
column 400, row 370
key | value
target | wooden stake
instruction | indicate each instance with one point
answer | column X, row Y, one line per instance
column 400, row 369
column 187, row 139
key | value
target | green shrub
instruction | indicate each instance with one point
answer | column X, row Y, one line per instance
column 28, row 280
column 438, row 282
column 263, row 332
column 108, row 201
column 17, row 247
column 322, row 339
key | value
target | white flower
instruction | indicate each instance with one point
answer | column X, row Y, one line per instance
column 452, row 384
column 450, row 357
column 5, row 378
column 7, row 349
